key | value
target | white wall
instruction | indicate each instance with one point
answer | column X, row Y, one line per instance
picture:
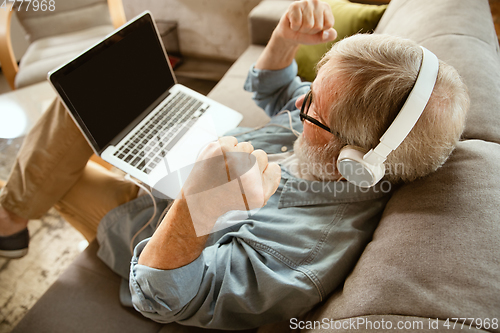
column 207, row 28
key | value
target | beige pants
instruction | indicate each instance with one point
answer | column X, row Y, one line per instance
column 52, row 169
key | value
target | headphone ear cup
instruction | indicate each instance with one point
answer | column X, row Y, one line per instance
column 354, row 169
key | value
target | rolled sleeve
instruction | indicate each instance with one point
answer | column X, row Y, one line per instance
column 273, row 89
column 222, row 289
column 162, row 294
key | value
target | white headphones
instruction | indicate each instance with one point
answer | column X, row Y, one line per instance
column 365, row 169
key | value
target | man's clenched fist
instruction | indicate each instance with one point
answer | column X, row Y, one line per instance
column 228, row 176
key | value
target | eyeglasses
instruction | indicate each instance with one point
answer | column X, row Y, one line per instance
column 305, row 109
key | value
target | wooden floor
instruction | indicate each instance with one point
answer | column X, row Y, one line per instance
column 54, row 245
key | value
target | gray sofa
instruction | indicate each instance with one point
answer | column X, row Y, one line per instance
column 436, row 251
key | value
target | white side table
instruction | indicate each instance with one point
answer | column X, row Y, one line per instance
column 20, row 109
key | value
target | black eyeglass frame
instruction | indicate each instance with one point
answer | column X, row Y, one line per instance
column 305, row 107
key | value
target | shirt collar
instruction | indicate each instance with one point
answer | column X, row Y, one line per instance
column 301, row 192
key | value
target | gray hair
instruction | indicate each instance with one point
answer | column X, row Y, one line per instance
column 375, row 74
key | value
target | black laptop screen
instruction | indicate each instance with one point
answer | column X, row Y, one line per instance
column 110, row 86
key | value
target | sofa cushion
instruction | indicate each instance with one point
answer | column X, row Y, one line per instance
column 461, row 33
column 263, row 19
column 350, row 18
column 229, row 91
column 435, row 252
column 48, row 53
column 84, row 299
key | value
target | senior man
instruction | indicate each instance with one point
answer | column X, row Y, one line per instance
column 299, row 247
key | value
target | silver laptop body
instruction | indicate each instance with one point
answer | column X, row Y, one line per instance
column 123, row 95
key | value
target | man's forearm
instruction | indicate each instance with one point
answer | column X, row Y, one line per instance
column 174, row 244
column 278, row 54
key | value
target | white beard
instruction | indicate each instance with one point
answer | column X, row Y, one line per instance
column 317, row 161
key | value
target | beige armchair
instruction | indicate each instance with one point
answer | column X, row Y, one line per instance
column 55, row 35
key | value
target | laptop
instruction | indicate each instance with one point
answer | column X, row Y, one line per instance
column 123, row 95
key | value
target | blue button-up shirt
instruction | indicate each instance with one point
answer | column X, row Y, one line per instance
column 272, row 266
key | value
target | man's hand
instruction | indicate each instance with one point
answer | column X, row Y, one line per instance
column 228, row 176
column 305, row 22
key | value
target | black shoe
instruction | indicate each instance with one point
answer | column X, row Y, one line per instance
column 16, row 245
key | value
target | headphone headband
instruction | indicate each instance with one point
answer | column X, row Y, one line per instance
column 410, row 112
column 365, row 170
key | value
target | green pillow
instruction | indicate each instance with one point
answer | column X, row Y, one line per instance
column 350, row 18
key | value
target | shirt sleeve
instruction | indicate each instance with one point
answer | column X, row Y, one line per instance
column 237, row 284
column 273, row 89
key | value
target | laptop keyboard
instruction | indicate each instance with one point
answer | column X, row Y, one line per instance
column 146, row 148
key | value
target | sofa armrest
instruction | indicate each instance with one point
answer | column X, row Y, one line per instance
column 263, row 19
column 117, row 13
column 7, row 58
